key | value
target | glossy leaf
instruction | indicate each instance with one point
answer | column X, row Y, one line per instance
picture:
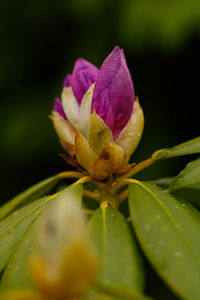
column 16, row 274
column 168, row 232
column 189, row 176
column 120, row 263
column 14, row 226
column 189, row 147
column 31, row 194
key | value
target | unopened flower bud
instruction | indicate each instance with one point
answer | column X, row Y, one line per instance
column 102, row 122
column 64, row 262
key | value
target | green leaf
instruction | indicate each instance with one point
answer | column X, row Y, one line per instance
column 31, row 194
column 168, row 231
column 189, row 176
column 16, row 274
column 14, row 226
column 120, row 262
column 189, row 147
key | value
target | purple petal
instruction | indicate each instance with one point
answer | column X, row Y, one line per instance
column 84, row 74
column 58, row 107
column 67, row 81
column 114, row 94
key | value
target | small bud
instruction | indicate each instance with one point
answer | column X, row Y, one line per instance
column 64, row 261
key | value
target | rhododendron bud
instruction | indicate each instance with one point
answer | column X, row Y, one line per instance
column 99, row 120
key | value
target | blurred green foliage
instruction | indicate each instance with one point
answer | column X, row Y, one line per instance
column 40, row 41
column 156, row 23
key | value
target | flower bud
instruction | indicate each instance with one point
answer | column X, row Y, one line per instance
column 64, row 262
column 99, row 120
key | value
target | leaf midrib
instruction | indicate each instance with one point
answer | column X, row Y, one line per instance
column 104, row 239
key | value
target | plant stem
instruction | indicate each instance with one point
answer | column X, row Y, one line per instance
column 71, row 174
column 83, row 180
column 93, row 195
column 88, row 212
column 106, row 194
column 79, row 175
column 123, row 196
column 117, row 186
column 136, row 169
column 109, row 189
column 119, row 182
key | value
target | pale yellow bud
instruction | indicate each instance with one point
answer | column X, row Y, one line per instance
column 64, row 262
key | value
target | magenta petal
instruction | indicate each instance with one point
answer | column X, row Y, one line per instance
column 67, row 81
column 114, row 94
column 58, row 107
column 84, row 74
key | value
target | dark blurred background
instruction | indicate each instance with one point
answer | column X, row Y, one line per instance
column 39, row 42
